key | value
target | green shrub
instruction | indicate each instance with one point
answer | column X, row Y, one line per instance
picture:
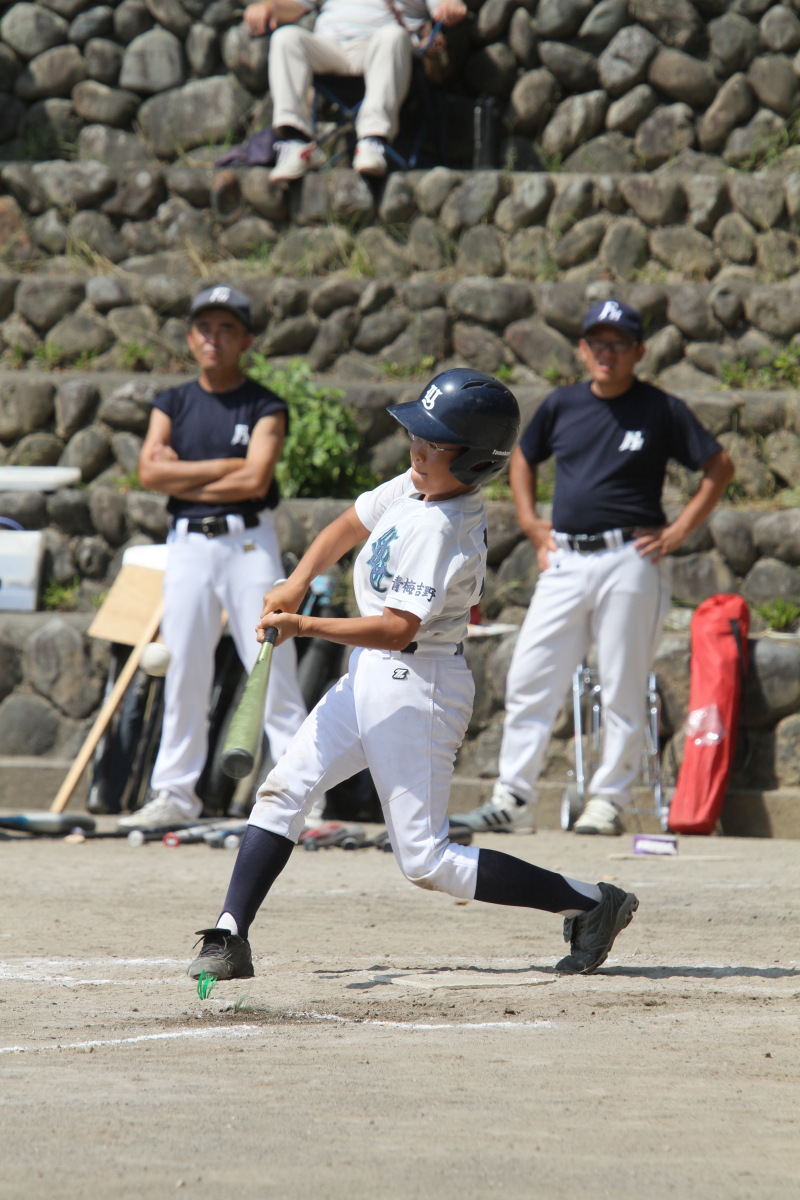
column 323, row 454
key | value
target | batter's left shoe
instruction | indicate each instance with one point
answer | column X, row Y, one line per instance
column 591, row 935
column 224, row 955
column 600, row 817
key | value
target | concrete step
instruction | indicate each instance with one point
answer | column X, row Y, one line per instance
column 745, row 813
column 31, row 784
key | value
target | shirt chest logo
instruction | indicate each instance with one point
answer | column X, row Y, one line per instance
column 378, row 561
column 633, row 440
column 241, row 436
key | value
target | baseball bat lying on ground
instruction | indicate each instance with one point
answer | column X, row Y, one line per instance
column 244, row 735
column 51, row 823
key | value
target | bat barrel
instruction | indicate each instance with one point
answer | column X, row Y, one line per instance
column 244, row 735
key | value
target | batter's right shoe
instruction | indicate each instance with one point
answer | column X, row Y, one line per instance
column 591, row 935
column 224, row 955
column 599, row 817
column 503, row 812
column 159, row 813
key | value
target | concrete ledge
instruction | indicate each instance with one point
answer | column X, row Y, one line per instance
column 761, row 814
column 32, row 783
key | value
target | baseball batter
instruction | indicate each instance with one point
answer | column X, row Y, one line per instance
column 403, row 707
column 212, row 446
column 601, row 563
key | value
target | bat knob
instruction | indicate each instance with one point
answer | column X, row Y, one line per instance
column 237, row 763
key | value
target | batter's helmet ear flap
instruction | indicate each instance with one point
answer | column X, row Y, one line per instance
column 465, row 408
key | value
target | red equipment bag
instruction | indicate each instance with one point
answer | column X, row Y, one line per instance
column 720, row 626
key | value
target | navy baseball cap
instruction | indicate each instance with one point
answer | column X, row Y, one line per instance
column 225, row 297
column 622, row 316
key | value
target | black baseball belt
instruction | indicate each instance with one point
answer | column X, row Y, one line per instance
column 591, row 543
column 212, row 527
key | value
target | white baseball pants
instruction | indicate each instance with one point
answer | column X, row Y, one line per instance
column 203, row 577
column 403, row 716
column 384, row 60
column 617, row 599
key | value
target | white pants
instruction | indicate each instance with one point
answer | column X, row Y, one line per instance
column 617, row 599
column 384, row 59
column 403, row 716
column 203, row 577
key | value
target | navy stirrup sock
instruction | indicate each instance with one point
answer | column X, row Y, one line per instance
column 261, row 858
column 503, row 879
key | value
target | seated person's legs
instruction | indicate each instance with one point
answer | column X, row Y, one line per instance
column 386, row 65
column 295, row 56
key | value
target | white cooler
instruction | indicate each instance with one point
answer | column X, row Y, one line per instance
column 20, row 569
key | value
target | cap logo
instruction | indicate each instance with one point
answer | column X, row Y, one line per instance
column 220, row 295
column 610, row 311
column 431, row 396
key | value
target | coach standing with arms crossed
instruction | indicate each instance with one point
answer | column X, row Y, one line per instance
column 212, row 445
column 601, row 563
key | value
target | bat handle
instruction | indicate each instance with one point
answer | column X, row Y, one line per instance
column 270, row 635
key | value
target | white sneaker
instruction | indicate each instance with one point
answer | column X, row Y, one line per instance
column 501, row 813
column 294, row 159
column 313, row 819
column 370, row 156
column 600, row 816
column 160, row 812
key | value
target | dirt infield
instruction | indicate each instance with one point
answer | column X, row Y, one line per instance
column 397, row 1043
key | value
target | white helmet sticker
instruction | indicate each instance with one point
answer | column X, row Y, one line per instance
column 221, row 295
column 611, row 312
column 431, row 396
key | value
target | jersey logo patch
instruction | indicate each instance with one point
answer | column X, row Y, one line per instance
column 633, row 440
column 241, row 436
column 379, row 559
column 431, row 396
column 400, row 673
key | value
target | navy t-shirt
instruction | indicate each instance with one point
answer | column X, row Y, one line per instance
column 217, row 425
column 611, row 455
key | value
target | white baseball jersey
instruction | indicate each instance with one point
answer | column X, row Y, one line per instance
column 425, row 558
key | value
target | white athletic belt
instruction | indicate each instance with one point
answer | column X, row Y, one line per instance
column 428, row 650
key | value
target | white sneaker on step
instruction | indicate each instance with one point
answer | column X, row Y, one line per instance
column 503, row 812
column 159, row 813
column 600, row 817
column 370, row 156
column 294, row 159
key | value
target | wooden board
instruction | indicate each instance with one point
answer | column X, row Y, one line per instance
column 127, row 609
column 37, row 479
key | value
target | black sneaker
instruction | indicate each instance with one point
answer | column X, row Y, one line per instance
column 591, row 935
column 225, row 955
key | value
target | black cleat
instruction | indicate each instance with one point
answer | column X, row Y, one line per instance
column 591, row 935
column 225, row 955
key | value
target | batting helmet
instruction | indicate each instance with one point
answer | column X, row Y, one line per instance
column 467, row 409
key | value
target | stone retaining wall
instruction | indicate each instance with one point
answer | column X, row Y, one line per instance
column 607, row 86
column 52, row 674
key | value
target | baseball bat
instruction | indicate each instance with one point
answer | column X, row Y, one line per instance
column 244, row 734
column 47, row 823
column 106, row 713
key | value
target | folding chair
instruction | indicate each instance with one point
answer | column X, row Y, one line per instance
column 339, row 97
column 587, row 712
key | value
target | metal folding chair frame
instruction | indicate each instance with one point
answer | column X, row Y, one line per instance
column 587, row 713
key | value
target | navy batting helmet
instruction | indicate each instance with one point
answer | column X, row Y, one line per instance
column 465, row 408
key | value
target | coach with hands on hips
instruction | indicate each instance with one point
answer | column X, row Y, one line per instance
column 601, row 561
column 212, row 446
